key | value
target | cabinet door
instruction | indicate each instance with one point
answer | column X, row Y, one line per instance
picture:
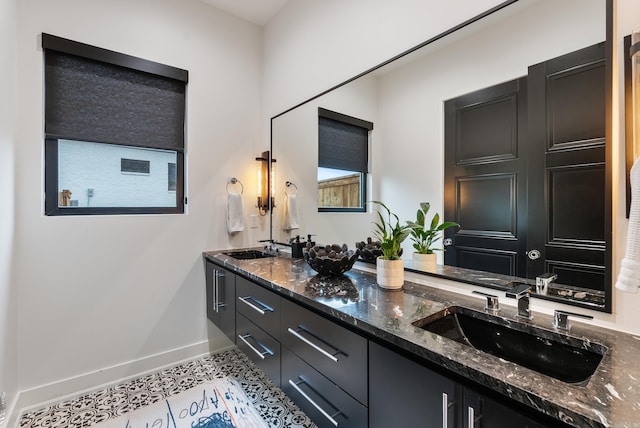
column 482, row 412
column 403, row 393
column 220, row 292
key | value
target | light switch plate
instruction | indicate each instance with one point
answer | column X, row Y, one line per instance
column 253, row 221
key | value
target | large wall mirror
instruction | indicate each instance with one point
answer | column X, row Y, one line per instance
column 405, row 101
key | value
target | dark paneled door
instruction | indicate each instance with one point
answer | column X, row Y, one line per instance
column 485, row 178
column 525, row 173
column 567, row 127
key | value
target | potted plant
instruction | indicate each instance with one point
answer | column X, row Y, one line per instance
column 424, row 235
column 391, row 234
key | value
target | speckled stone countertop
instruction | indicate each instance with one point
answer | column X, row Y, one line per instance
column 611, row 398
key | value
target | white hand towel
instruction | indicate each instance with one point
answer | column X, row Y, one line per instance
column 290, row 220
column 235, row 213
column 629, row 276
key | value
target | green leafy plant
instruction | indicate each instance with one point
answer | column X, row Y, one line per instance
column 423, row 236
column 390, row 233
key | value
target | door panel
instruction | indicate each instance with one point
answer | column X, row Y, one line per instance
column 484, row 192
column 567, row 122
column 525, row 169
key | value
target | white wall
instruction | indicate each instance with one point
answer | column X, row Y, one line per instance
column 312, row 46
column 111, row 295
column 8, row 300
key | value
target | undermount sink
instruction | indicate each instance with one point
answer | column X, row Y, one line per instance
column 247, row 254
column 562, row 357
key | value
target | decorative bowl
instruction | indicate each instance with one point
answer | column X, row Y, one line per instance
column 330, row 260
column 370, row 250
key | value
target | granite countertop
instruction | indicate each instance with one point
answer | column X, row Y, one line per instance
column 611, row 398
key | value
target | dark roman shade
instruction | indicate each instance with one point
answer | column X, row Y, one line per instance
column 343, row 141
column 93, row 94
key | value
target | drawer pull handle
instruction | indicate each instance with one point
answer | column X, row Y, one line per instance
column 445, row 409
column 261, row 311
column 314, row 404
column 216, row 289
column 313, row 345
column 267, row 351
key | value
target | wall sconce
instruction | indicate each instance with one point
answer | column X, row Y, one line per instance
column 266, row 180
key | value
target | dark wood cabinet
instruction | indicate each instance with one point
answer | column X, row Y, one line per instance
column 339, row 354
column 220, row 296
column 479, row 411
column 406, row 393
column 338, row 376
column 258, row 326
column 323, row 401
column 260, row 347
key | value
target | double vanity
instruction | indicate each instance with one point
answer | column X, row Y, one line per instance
column 352, row 354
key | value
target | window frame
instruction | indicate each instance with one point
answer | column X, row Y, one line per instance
column 51, row 166
column 353, row 121
column 51, row 188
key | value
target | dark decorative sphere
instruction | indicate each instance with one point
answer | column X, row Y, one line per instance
column 330, row 260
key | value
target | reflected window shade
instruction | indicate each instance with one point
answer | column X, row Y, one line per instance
column 342, row 145
column 95, row 101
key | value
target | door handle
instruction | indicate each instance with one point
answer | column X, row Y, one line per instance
column 533, row 254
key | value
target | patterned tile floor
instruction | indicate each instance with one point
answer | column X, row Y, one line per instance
column 83, row 411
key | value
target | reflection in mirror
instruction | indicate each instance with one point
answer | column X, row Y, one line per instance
column 405, row 100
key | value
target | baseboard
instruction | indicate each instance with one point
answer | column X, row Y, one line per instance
column 72, row 387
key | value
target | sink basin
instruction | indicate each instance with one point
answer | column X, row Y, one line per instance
column 553, row 354
column 247, row 254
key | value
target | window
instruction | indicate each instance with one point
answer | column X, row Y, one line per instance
column 343, row 160
column 134, row 166
column 112, row 125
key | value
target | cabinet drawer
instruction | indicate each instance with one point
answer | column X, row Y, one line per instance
column 325, row 403
column 259, row 305
column 337, row 353
column 261, row 348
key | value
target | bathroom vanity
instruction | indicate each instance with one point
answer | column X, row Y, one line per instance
column 351, row 354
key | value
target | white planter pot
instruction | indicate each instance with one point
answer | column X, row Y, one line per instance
column 390, row 273
column 424, row 261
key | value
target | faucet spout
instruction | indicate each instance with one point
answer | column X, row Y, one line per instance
column 522, row 294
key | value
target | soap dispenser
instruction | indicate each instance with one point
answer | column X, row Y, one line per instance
column 296, row 247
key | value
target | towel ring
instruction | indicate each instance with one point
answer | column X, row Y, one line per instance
column 289, row 184
column 233, row 181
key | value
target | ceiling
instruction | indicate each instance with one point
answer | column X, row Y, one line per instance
column 257, row 11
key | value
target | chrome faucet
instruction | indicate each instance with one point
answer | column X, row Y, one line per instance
column 543, row 281
column 521, row 293
column 561, row 319
column 492, row 305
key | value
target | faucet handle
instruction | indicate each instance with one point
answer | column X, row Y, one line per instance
column 561, row 319
column 493, row 305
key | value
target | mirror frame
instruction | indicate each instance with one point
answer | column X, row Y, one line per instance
column 609, row 38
